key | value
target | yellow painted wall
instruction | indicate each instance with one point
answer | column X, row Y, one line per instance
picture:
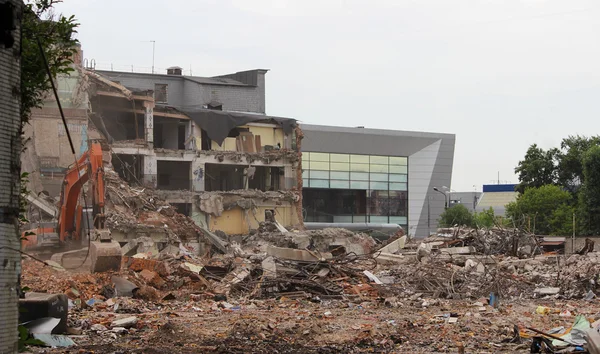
column 228, row 145
column 268, row 136
column 234, row 222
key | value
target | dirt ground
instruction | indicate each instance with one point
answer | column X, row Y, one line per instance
column 293, row 326
column 195, row 321
column 198, row 324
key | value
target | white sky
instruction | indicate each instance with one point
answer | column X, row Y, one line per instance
column 500, row 74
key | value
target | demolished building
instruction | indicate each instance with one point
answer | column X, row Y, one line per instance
column 205, row 145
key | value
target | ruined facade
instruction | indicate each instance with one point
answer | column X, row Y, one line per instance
column 205, row 144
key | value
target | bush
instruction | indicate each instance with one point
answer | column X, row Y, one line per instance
column 457, row 215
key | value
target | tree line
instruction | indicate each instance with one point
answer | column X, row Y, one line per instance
column 559, row 191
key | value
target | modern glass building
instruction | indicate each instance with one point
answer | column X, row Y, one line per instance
column 375, row 176
column 345, row 188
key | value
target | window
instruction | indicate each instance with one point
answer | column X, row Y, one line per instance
column 160, row 93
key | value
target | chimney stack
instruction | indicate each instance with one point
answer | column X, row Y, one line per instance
column 174, row 70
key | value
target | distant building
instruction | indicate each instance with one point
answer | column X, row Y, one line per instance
column 497, row 196
column 468, row 199
column 358, row 175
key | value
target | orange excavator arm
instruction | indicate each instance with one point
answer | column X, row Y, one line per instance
column 89, row 167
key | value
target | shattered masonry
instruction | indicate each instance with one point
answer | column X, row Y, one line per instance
column 225, row 174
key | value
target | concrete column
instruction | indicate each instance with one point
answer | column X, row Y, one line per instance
column 150, row 171
column 149, row 123
column 198, row 175
column 289, row 177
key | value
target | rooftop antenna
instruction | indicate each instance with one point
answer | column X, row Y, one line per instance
column 153, row 47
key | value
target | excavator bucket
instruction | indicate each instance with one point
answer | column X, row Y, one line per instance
column 105, row 254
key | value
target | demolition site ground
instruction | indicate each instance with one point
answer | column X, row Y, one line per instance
column 422, row 302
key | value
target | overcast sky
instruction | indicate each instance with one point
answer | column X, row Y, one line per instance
column 500, row 74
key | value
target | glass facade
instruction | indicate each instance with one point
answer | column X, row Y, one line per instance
column 355, row 188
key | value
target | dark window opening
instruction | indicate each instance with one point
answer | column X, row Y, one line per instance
column 183, row 208
column 129, row 167
column 235, row 132
column 169, row 133
column 181, row 137
column 215, row 105
column 116, row 120
column 339, row 205
column 174, row 175
column 205, row 141
column 233, row 177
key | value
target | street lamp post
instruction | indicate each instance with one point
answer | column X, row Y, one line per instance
column 445, row 197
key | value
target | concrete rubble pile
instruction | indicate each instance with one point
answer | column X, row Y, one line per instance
column 292, row 290
column 214, row 203
column 143, row 210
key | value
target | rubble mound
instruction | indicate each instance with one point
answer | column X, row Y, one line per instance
column 128, row 208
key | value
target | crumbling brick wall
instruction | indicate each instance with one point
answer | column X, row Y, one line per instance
column 10, row 146
column 299, row 181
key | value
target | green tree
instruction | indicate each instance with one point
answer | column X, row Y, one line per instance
column 543, row 210
column 456, row 215
column 538, row 168
column 570, row 160
column 56, row 36
column 589, row 197
column 484, row 219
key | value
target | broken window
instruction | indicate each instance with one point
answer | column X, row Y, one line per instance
column 160, row 93
column 173, row 175
column 116, row 119
column 183, row 208
column 232, row 177
column 170, row 133
column 129, row 167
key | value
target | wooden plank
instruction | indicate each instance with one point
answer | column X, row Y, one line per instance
column 122, row 95
column 155, row 112
column 247, row 141
column 258, row 144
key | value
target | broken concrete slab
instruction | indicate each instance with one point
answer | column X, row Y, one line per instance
column 41, row 305
column 390, row 257
column 457, row 250
column 269, row 267
column 297, row 255
column 126, row 322
column 547, row 291
column 480, row 268
column 395, row 246
column 123, row 287
column 215, row 240
column 42, row 325
column 190, row 267
column 54, row 341
column 592, row 338
column 280, row 227
column 236, row 276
